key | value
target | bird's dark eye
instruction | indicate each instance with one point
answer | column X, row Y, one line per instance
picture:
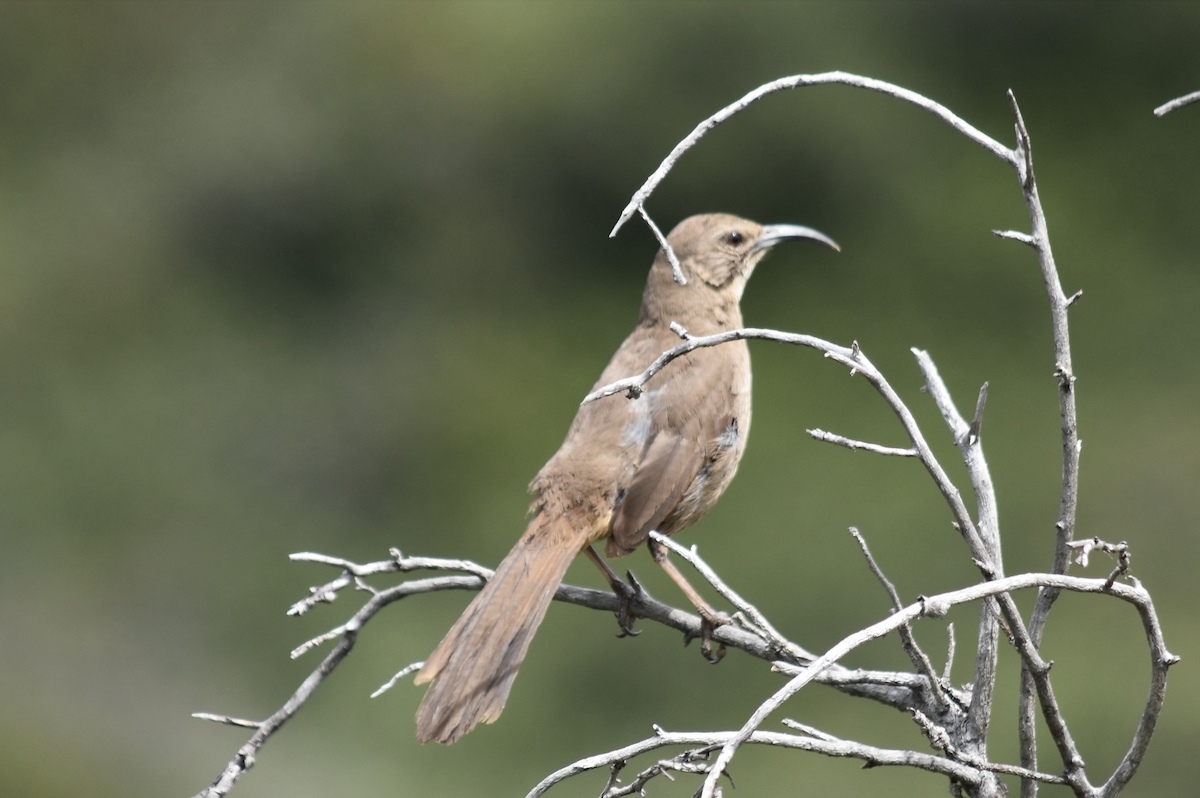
column 734, row 239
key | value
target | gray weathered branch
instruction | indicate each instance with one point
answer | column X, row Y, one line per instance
column 1178, row 102
column 757, row 638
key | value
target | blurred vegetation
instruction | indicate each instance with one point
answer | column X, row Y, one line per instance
column 334, row 276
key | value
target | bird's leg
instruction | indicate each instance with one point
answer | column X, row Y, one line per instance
column 710, row 619
column 626, row 593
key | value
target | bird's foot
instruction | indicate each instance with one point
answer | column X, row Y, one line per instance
column 709, row 621
column 627, row 594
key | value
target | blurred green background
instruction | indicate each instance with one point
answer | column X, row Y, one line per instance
column 279, row 277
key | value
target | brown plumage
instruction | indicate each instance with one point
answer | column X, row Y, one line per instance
column 626, row 467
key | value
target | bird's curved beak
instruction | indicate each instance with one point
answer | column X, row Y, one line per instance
column 772, row 234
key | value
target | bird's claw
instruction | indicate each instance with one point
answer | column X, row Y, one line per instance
column 627, row 594
column 709, row 621
column 707, row 627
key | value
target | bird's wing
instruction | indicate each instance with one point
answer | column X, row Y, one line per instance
column 669, row 465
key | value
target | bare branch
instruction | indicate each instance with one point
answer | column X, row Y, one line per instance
column 758, row 622
column 977, row 422
column 756, row 637
column 973, row 459
column 967, row 437
column 843, row 677
column 1065, row 525
column 919, row 660
column 809, row 730
column 676, row 268
column 865, row 683
column 400, row 674
column 309, row 645
column 949, row 653
column 937, row 606
column 637, row 203
column 228, row 721
column 1178, row 102
column 705, row 742
column 1121, row 550
column 1013, row 235
column 849, row 443
column 854, row 359
column 1085, row 547
column 325, row 594
column 244, row 759
column 398, row 564
column 633, row 386
column 940, row 739
column 681, row 331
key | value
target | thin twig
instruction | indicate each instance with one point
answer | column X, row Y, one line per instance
column 845, row 676
column 949, row 653
column 1085, row 547
column 850, row 443
column 637, row 203
column 400, row 674
column 919, row 660
column 228, row 721
column 1178, row 102
column 1024, row 238
column 811, row 731
column 977, row 423
column 633, row 386
column 325, row 594
column 760, row 624
column 676, row 268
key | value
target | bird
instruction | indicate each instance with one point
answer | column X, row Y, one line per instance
column 628, row 466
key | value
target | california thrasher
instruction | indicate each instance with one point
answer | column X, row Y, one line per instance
column 627, row 467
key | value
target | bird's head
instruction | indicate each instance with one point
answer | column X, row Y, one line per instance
column 718, row 253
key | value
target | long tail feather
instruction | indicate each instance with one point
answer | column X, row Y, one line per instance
column 474, row 666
